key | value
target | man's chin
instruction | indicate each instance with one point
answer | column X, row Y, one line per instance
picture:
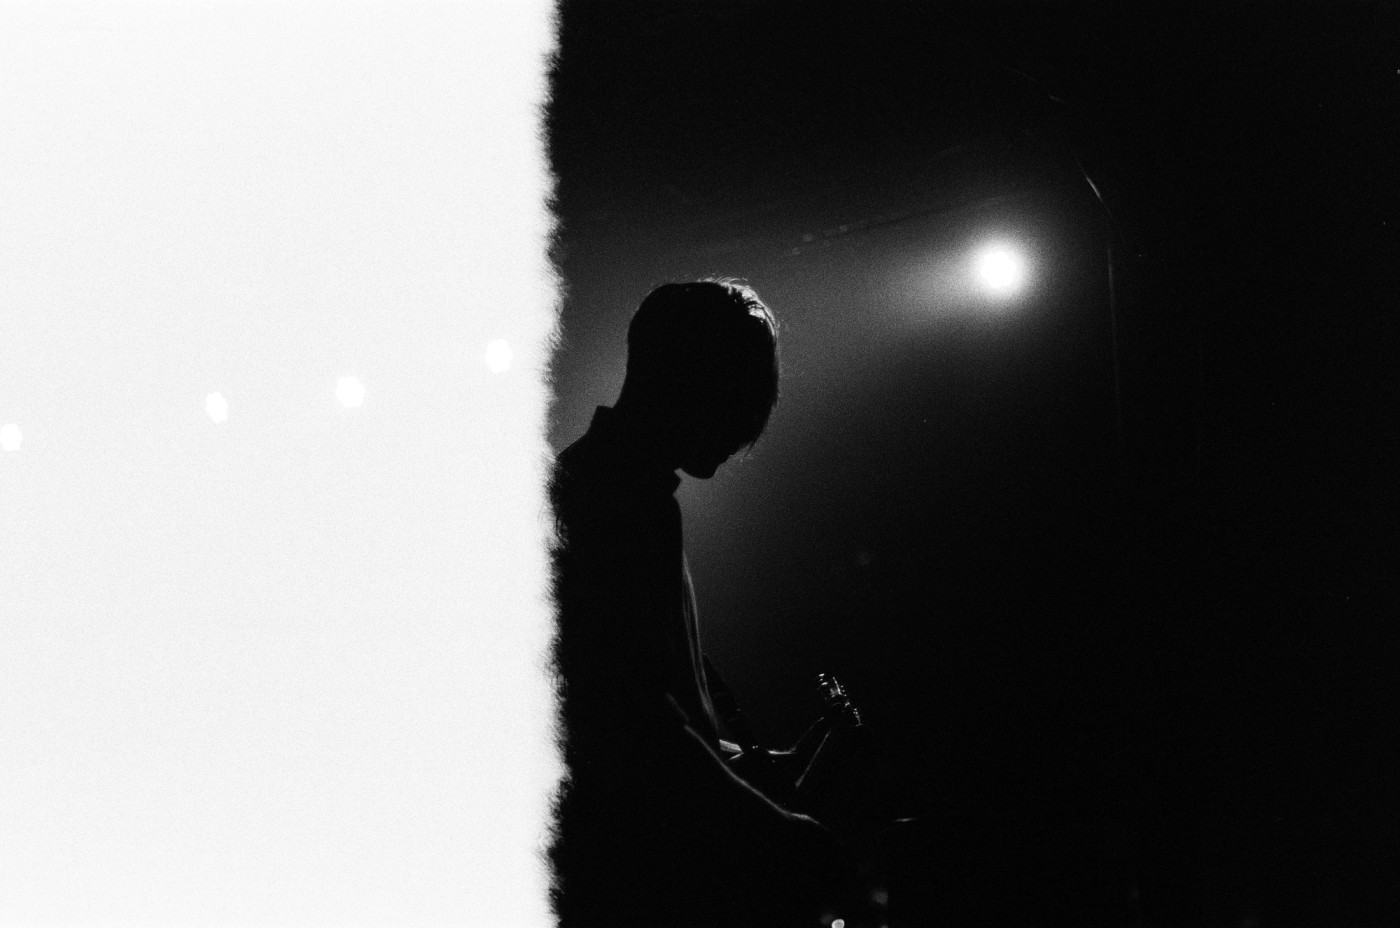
column 701, row 471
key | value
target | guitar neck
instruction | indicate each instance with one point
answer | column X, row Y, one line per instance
column 839, row 715
column 841, row 719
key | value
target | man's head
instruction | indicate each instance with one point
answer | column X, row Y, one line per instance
column 702, row 365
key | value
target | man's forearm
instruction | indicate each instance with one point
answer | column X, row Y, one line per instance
column 717, row 770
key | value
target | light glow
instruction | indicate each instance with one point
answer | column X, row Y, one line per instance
column 499, row 356
column 217, row 407
column 10, row 437
column 1001, row 268
column 350, row 392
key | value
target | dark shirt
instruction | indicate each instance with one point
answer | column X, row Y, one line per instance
column 651, row 826
column 629, row 644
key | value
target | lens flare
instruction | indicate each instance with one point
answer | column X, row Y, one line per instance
column 499, row 356
column 350, row 392
column 1002, row 269
column 216, row 407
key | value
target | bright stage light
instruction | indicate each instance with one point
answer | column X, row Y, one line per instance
column 499, row 356
column 217, row 407
column 350, row 392
column 1001, row 268
column 10, row 437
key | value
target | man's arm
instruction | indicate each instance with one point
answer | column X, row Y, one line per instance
column 741, row 790
column 774, row 773
column 618, row 584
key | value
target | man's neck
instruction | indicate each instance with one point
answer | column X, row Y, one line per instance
column 648, row 431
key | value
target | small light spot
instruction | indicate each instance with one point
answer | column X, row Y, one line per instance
column 350, row 392
column 808, row 237
column 217, row 407
column 10, row 437
column 499, row 356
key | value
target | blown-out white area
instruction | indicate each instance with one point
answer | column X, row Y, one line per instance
column 1001, row 268
column 272, row 643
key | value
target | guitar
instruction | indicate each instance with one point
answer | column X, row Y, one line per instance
column 824, row 788
column 834, row 782
column 822, row 775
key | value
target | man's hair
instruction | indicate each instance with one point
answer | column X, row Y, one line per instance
column 712, row 336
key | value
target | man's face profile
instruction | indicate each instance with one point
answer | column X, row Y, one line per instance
column 711, row 436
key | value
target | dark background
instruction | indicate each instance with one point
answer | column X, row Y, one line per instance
column 1110, row 566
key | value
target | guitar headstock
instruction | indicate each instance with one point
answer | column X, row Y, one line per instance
column 835, row 698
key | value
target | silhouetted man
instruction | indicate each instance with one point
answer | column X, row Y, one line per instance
column 653, row 828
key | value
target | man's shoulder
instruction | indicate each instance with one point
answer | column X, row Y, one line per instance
column 601, row 464
column 576, row 458
column 585, row 478
column 582, row 467
column 601, row 501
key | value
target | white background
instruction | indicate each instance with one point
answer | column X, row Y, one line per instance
column 287, row 668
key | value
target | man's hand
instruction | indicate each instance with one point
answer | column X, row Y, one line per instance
column 789, row 764
column 773, row 773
